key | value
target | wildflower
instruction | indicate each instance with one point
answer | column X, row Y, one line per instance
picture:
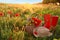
column 37, row 22
column 17, row 14
column 1, row 14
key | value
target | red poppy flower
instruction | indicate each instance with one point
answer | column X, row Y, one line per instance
column 47, row 20
column 37, row 22
column 1, row 14
column 54, row 20
column 17, row 14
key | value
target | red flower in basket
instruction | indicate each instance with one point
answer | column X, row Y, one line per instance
column 37, row 22
column 1, row 14
column 54, row 21
column 47, row 21
column 17, row 14
column 9, row 12
column 35, row 33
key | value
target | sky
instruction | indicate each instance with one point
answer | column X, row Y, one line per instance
column 20, row 1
